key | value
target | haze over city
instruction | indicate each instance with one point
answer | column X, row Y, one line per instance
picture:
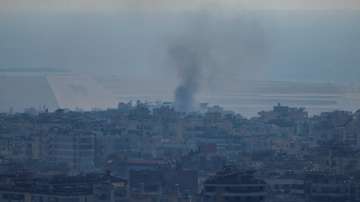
column 179, row 101
column 131, row 38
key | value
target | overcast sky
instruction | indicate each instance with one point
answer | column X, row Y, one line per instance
column 92, row 5
column 303, row 40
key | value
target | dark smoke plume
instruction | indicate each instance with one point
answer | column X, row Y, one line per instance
column 212, row 50
column 188, row 62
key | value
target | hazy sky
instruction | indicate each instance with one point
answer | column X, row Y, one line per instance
column 312, row 40
column 88, row 5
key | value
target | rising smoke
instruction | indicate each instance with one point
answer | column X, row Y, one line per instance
column 188, row 62
column 212, row 47
column 210, row 51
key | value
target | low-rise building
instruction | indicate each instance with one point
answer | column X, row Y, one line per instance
column 324, row 187
column 88, row 188
column 231, row 185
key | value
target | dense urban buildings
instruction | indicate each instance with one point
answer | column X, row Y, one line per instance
column 145, row 152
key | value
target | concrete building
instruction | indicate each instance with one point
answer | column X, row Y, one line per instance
column 76, row 149
column 231, row 185
column 88, row 188
column 323, row 187
column 285, row 188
